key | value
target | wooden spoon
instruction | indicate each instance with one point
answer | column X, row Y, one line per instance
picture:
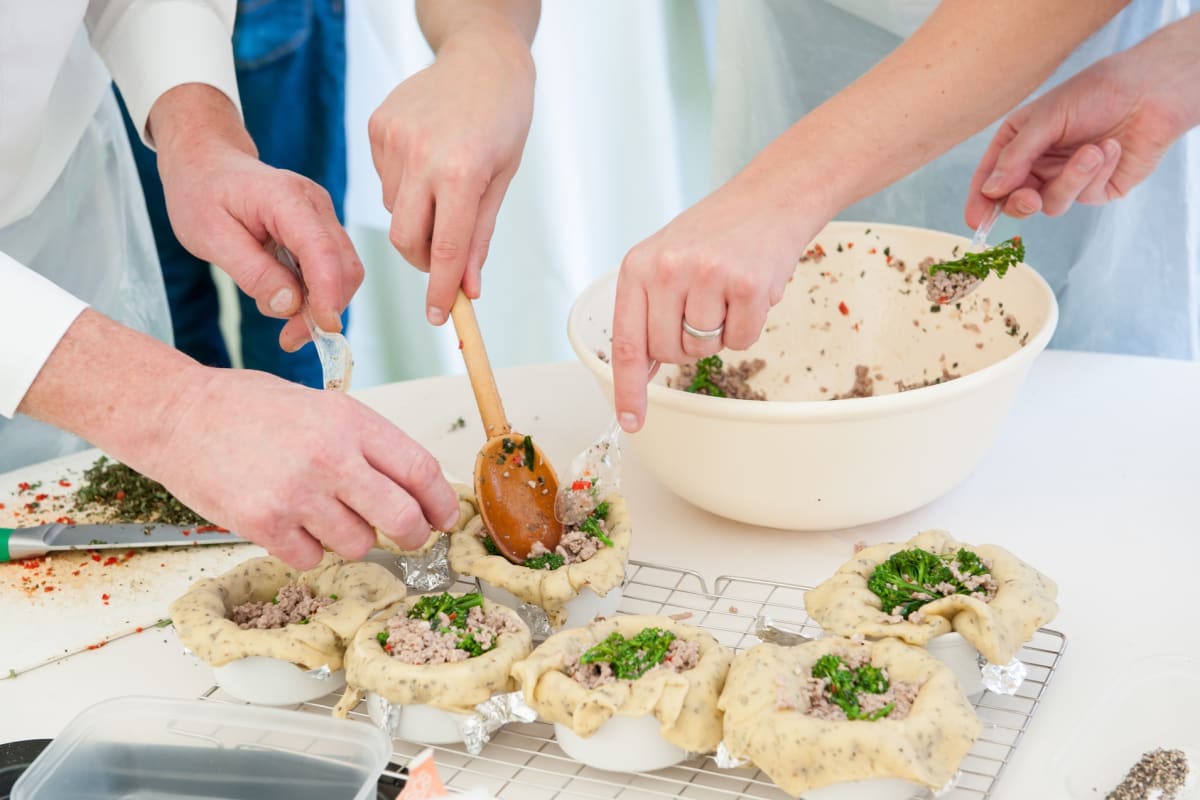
column 515, row 485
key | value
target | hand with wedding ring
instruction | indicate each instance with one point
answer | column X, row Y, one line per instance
column 704, row 282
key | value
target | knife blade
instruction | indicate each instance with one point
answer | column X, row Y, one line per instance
column 18, row 543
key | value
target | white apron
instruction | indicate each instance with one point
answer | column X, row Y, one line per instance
column 1127, row 274
column 90, row 235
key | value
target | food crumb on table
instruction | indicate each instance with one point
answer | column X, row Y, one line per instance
column 1158, row 775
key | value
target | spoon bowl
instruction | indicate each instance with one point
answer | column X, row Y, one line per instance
column 515, row 485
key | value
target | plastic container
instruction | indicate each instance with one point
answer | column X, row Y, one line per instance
column 138, row 748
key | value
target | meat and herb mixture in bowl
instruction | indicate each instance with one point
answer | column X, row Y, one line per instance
column 856, row 372
column 835, row 711
column 629, row 693
column 578, row 580
column 424, row 664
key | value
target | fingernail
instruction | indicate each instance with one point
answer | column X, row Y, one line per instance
column 1090, row 160
column 992, row 184
column 435, row 315
column 628, row 421
column 282, row 301
column 1024, row 207
column 450, row 521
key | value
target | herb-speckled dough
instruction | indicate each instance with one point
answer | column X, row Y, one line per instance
column 685, row 703
column 456, row 686
column 1024, row 601
column 201, row 615
column 549, row 589
column 801, row 753
column 466, row 512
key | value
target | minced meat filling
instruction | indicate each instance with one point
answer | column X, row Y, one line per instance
column 421, row 641
column 725, row 381
column 575, row 546
column 864, row 384
column 294, row 603
column 946, row 287
column 680, row 656
column 585, row 534
column 848, row 688
column 577, row 505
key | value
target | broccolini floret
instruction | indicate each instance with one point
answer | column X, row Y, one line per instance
column 911, row 578
column 845, row 684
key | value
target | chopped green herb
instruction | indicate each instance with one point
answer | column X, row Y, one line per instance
column 996, row 259
column 544, row 561
column 592, row 528
column 529, row 456
column 935, row 308
column 702, row 382
column 846, row 684
column 508, row 445
column 303, row 621
column 382, row 636
column 124, row 495
column 631, row 658
column 601, row 510
column 163, row 623
column 489, row 544
column 458, row 424
column 333, row 597
column 12, row 673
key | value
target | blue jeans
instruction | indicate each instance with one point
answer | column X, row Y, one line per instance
column 291, row 69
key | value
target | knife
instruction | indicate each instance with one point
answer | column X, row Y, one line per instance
column 18, row 543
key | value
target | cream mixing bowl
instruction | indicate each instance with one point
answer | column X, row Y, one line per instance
column 942, row 379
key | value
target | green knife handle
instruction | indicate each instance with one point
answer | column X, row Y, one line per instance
column 18, row 543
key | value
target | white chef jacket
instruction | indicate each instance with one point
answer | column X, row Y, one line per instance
column 56, row 63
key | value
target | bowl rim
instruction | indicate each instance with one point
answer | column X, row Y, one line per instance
column 850, row 407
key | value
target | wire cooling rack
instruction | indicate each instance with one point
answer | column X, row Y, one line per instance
column 523, row 762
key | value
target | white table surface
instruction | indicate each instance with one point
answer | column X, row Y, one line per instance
column 1094, row 479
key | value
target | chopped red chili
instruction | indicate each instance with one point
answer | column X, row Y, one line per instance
column 842, row 307
column 580, row 486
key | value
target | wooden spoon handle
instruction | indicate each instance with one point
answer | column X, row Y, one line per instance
column 479, row 369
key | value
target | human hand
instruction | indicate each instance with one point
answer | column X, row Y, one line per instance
column 225, row 206
column 721, row 264
column 446, row 142
column 1091, row 139
column 295, row 470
